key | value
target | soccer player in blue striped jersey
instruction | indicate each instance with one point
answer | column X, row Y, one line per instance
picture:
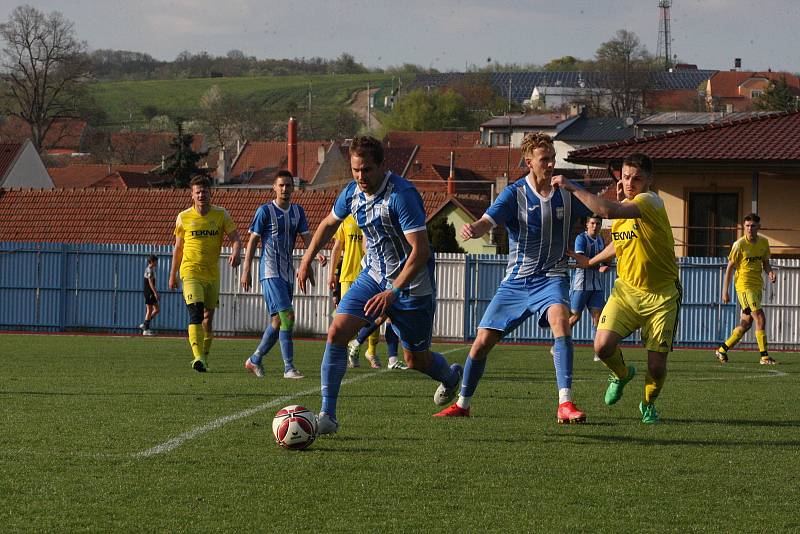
column 538, row 218
column 587, row 284
column 277, row 225
column 397, row 280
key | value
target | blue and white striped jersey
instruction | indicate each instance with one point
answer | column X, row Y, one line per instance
column 278, row 231
column 538, row 228
column 588, row 279
column 385, row 218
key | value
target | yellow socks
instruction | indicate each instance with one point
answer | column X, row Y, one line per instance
column 761, row 339
column 731, row 342
column 616, row 364
column 372, row 342
column 196, row 340
column 652, row 387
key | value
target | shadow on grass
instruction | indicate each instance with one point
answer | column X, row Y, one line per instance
column 683, row 442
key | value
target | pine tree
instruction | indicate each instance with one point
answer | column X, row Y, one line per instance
column 776, row 97
column 181, row 165
column 443, row 236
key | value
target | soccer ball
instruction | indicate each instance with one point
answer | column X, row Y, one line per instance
column 294, row 427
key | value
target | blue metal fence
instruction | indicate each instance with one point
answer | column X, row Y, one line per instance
column 57, row 287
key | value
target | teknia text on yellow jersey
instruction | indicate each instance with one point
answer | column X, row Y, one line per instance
column 202, row 241
column 645, row 247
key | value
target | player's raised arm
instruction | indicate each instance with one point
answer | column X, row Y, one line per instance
column 477, row 229
column 605, row 208
column 324, row 232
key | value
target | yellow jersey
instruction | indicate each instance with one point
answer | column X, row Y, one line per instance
column 645, row 247
column 202, row 241
column 352, row 238
column 748, row 260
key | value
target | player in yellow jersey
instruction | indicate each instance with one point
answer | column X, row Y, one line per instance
column 749, row 256
column 199, row 232
column 349, row 246
column 647, row 292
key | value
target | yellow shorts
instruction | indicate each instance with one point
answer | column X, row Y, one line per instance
column 749, row 300
column 629, row 309
column 195, row 291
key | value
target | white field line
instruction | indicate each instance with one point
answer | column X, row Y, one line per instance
column 197, row 431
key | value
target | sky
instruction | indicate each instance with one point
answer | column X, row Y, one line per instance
column 443, row 34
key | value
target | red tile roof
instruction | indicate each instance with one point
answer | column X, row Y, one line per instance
column 138, row 215
column 432, row 139
column 87, row 175
column 64, row 134
column 769, row 138
column 127, row 179
column 726, row 83
column 259, row 161
column 430, row 168
column 8, row 154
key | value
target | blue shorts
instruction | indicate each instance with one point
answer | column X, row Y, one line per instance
column 580, row 299
column 412, row 317
column 278, row 295
column 516, row 300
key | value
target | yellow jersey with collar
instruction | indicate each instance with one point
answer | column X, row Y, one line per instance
column 202, row 241
column 748, row 259
column 644, row 246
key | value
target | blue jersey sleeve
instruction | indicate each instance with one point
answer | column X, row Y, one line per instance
column 258, row 226
column 504, row 207
column 410, row 210
column 341, row 208
column 302, row 224
column 580, row 244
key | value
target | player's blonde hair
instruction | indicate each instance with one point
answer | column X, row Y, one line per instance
column 535, row 140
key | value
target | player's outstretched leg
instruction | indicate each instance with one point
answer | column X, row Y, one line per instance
column 473, row 371
column 334, row 365
column 562, row 362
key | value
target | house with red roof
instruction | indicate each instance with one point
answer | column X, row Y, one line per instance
column 66, row 136
column 432, row 139
column 80, row 175
column 510, row 129
column 709, row 177
column 21, row 166
column 732, row 91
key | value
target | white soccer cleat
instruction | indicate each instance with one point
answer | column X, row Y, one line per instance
column 141, row 326
column 148, row 333
column 326, row 424
column 353, row 349
column 596, row 358
column 254, row 368
column 444, row 395
column 398, row 365
column 294, row 374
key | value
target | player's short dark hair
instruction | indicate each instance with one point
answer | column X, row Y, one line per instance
column 594, row 216
column 367, row 147
column 752, row 217
column 152, row 258
column 640, row 161
column 202, row 181
column 285, row 174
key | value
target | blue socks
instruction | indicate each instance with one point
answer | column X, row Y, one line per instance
column 268, row 340
column 562, row 361
column 334, row 365
column 440, row 370
column 473, row 371
column 392, row 341
column 287, row 349
column 365, row 332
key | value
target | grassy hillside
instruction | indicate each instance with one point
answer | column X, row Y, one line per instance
column 124, row 101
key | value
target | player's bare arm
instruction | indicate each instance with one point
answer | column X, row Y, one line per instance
column 726, row 298
column 417, row 259
column 607, row 209
column 476, row 229
column 236, row 244
column 605, row 256
column 768, row 269
column 336, row 254
column 325, row 231
column 177, row 257
column 249, row 253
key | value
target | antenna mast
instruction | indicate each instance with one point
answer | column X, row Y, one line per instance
column 664, row 33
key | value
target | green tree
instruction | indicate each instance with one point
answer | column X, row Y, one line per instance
column 568, row 63
column 442, row 235
column 776, row 97
column 435, row 110
column 181, row 165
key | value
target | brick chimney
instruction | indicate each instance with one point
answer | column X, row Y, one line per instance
column 451, row 179
column 292, row 146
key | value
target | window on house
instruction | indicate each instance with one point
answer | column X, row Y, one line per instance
column 713, row 219
column 756, row 93
column 500, row 138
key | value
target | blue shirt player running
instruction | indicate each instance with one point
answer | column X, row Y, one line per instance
column 538, row 218
column 397, row 280
column 587, row 284
column 276, row 224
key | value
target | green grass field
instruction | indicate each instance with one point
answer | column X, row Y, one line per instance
column 182, row 97
column 119, row 434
